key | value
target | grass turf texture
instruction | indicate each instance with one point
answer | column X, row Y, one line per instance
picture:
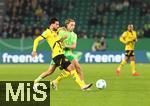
column 124, row 90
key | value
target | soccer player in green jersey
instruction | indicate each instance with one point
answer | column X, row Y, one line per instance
column 69, row 44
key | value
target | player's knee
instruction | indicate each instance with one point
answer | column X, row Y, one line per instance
column 77, row 66
column 48, row 72
column 132, row 58
column 71, row 67
column 79, row 72
column 126, row 59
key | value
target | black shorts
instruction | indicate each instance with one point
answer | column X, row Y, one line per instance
column 61, row 61
column 129, row 53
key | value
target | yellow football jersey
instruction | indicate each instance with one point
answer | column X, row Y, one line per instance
column 53, row 40
column 130, row 37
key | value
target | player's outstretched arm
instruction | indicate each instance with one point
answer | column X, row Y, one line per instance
column 35, row 45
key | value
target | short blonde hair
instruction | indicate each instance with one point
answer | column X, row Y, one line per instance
column 131, row 25
column 67, row 21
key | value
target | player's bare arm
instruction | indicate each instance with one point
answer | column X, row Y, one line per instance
column 63, row 38
column 73, row 46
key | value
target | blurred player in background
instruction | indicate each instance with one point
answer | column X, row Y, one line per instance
column 55, row 43
column 69, row 44
column 128, row 38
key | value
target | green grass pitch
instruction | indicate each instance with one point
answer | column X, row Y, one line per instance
column 124, row 90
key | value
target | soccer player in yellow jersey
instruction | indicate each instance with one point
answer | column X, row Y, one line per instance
column 128, row 38
column 55, row 43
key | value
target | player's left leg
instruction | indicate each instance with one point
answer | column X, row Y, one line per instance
column 50, row 70
column 78, row 69
column 132, row 63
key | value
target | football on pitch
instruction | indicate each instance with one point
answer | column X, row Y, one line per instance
column 101, row 84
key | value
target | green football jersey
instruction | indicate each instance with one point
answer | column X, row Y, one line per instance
column 72, row 38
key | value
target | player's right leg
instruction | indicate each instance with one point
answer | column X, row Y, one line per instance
column 123, row 62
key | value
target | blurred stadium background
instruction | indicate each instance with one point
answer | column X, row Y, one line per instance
column 27, row 18
column 23, row 20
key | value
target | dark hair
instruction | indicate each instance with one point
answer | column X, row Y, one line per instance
column 53, row 20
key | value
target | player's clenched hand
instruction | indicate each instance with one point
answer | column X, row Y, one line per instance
column 34, row 54
column 134, row 40
column 63, row 38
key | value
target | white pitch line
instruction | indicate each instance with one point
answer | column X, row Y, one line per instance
column 20, row 47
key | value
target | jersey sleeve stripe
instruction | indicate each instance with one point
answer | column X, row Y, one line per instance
column 43, row 37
